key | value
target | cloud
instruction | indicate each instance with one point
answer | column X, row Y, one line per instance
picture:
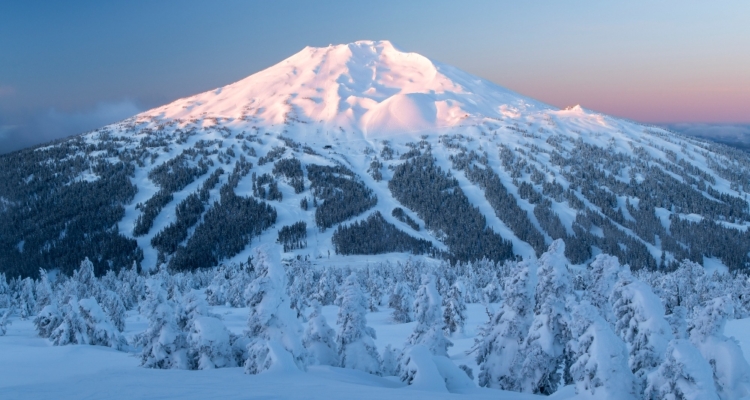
column 53, row 124
column 737, row 135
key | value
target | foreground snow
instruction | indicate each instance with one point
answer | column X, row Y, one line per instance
column 32, row 368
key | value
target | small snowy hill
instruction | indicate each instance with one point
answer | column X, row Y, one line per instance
column 354, row 153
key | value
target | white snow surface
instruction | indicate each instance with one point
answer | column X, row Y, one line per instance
column 370, row 87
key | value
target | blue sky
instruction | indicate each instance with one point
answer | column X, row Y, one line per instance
column 66, row 67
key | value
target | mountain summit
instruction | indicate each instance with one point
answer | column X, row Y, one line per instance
column 367, row 86
column 360, row 153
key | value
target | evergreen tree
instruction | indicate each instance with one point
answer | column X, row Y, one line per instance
column 542, row 352
column 454, row 315
column 640, row 323
column 44, row 294
column 499, row 341
column 731, row 371
column 274, row 331
column 401, row 301
column 320, row 338
column 429, row 328
column 683, row 375
column 600, row 360
column 355, row 339
column 163, row 344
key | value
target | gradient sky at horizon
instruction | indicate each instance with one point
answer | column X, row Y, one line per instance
column 66, row 67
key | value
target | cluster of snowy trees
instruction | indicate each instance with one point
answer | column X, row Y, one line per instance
column 375, row 235
column 610, row 332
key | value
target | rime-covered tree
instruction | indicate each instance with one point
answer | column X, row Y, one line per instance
column 731, row 371
column 602, row 277
column 25, row 300
column 454, row 314
column 500, row 340
column 163, row 344
column 354, row 338
column 640, row 323
column 427, row 313
column 274, row 331
column 114, row 307
column 48, row 319
column 44, row 294
column 683, row 375
column 542, row 352
column 401, row 301
column 599, row 365
column 320, row 338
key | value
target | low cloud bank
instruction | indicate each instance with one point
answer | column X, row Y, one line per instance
column 53, row 124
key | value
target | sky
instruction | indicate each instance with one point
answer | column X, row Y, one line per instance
column 69, row 67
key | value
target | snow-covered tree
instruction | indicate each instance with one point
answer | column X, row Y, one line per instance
column 640, row 323
column 500, row 339
column 208, row 342
column 355, row 339
column 25, row 300
column 274, row 331
column 454, row 314
column 685, row 287
column 320, row 338
column 48, row 319
column 44, row 294
column 5, row 298
column 427, row 313
column 163, row 344
column 600, row 359
column 683, row 375
column 401, row 301
column 390, row 360
column 602, row 274
column 100, row 330
column 325, row 293
column 215, row 293
column 542, row 351
column 114, row 307
column 5, row 320
column 85, row 280
column 730, row 369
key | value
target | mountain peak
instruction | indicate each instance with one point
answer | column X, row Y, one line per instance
column 371, row 87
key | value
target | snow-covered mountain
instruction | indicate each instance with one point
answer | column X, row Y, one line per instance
column 357, row 152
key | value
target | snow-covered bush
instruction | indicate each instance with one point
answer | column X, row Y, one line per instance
column 274, row 331
column 355, row 339
column 320, row 338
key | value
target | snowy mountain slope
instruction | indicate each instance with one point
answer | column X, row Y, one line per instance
column 351, row 134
